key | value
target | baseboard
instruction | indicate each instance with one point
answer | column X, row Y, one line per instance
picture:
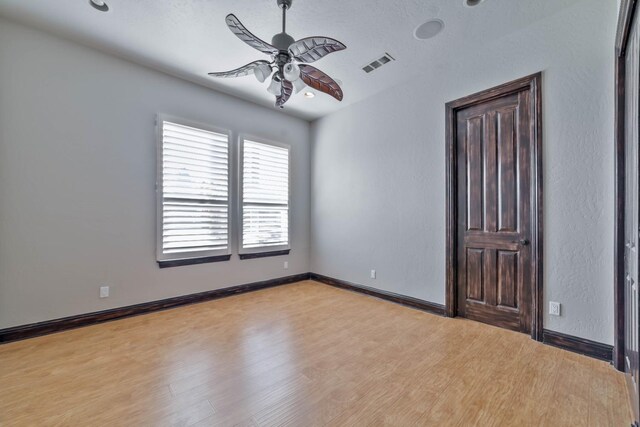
column 567, row 342
column 389, row 296
column 58, row 325
column 578, row 345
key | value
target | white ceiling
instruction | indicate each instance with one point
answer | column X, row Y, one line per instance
column 189, row 38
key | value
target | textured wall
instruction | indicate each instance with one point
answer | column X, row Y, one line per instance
column 378, row 171
column 77, row 178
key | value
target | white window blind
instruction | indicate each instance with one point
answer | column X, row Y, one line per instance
column 265, row 197
column 194, row 199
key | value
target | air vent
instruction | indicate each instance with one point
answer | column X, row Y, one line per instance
column 374, row 65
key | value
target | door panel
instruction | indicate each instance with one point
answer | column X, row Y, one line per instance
column 475, row 172
column 475, row 274
column 507, row 168
column 507, row 275
column 494, row 184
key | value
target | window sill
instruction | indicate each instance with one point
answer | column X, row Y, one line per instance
column 265, row 254
column 192, row 261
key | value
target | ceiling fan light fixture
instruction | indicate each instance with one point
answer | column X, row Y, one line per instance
column 298, row 85
column 275, row 87
column 291, row 72
column 262, row 72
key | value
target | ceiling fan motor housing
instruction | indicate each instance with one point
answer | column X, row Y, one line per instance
column 282, row 41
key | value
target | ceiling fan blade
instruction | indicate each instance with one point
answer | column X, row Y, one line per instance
column 285, row 93
column 242, row 71
column 311, row 49
column 246, row 36
column 320, row 81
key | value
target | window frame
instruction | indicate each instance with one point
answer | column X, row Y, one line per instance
column 196, row 257
column 264, row 251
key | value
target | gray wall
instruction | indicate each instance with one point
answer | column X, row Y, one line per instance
column 77, row 177
column 77, row 173
column 378, row 177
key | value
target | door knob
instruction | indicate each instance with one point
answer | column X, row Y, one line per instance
column 524, row 242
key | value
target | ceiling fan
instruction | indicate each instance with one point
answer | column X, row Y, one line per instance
column 288, row 58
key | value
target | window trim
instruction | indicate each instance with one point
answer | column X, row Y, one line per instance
column 197, row 257
column 266, row 251
column 264, row 254
column 193, row 261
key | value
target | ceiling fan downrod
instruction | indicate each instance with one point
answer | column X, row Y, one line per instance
column 284, row 5
column 283, row 40
column 284, row 19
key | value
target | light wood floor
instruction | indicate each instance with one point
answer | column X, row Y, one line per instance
column 303, row 354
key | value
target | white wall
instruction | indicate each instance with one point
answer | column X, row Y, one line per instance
column 378, row 170
column 77, row 176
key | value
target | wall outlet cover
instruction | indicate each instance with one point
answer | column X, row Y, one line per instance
column 286, row 265
column 373, row 274
column 104, row 291
column 554, row 308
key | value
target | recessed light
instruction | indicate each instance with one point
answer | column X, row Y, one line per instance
column 99, row 5
column 429, row 29
column 309, row 95
column 472, row 3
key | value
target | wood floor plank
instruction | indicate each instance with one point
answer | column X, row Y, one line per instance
column 303, row 354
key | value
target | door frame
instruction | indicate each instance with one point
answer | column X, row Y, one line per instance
column 628, row 12
column 533, row 84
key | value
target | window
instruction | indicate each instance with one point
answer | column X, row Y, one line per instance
column 193, row 194
column 265, row 199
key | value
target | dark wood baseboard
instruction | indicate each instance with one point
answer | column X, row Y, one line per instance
column 578, row 345
column 566, row 342
column 556, row 339
column 389, row 296
column 58, row 325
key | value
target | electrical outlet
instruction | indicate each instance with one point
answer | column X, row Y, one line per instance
column 373, row 274
column 286, row 265
column 104, row 291
column 554, row 308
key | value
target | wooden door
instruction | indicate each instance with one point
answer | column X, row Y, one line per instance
column 494, row 257
column 631, row 230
